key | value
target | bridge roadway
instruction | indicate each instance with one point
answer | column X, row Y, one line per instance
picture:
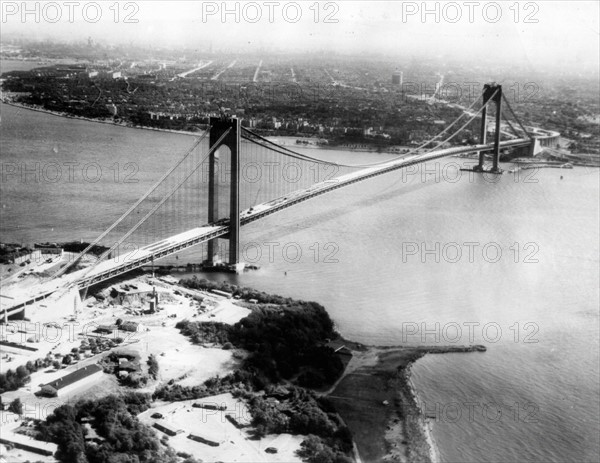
column 117, row 266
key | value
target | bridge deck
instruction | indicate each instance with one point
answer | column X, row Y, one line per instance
column 163, row 248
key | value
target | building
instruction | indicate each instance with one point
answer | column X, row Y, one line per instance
column 218, row 292
column 129, row 365
column 49, row 248
column 7, row 397
column 210, row 406
column 238, row 420
column 106, row 329
column 204, row 440
column 22, row 442
column 131, row 326
column 107, row 74
column 91, row 436
column 397, row 77
column 80, row 377
column 167, row 428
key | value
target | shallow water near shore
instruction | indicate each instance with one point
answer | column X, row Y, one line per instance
column 378, row 293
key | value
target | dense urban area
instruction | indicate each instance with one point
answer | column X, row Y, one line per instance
column 320, row 99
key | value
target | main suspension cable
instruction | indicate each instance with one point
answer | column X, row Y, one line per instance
column 62, row 270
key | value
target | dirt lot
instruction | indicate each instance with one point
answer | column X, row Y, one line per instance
column 234, row 444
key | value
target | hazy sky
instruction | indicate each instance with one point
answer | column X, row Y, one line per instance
column 533, row 32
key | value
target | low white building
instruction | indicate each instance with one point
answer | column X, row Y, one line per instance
column 80, row 377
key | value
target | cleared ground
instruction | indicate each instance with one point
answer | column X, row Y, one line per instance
column 235, row 444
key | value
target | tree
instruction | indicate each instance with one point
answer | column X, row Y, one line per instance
column 312, row 450
column 56, row 364
column 22, row 372
column 152, row 366
column 67, row 360
column 16, row 406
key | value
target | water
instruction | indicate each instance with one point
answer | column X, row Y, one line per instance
column 356, row 259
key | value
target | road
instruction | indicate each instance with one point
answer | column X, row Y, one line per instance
column 201, row 65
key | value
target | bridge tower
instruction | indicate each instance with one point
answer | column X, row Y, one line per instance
column 493, row 92
column 218, row 126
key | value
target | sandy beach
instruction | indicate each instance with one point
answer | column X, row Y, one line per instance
column 378, row 402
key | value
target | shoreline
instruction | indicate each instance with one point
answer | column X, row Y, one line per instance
column 384, row 413
column 182, row 132
column 379, row 403
column 373, row 149
column 99, row 121
column 427, row 425
column 363, row 149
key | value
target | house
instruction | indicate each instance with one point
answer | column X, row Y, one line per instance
column 127, row 365
column 61, row 386
column 91, row 435
column 7, row 397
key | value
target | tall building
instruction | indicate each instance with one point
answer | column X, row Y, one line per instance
column 397, row 77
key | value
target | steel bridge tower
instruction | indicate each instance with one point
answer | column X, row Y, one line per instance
column 493, row 92
column 218, row 127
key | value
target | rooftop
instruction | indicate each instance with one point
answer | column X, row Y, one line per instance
column 71, row 378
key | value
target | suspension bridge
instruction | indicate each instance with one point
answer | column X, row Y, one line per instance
column 209, row 194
